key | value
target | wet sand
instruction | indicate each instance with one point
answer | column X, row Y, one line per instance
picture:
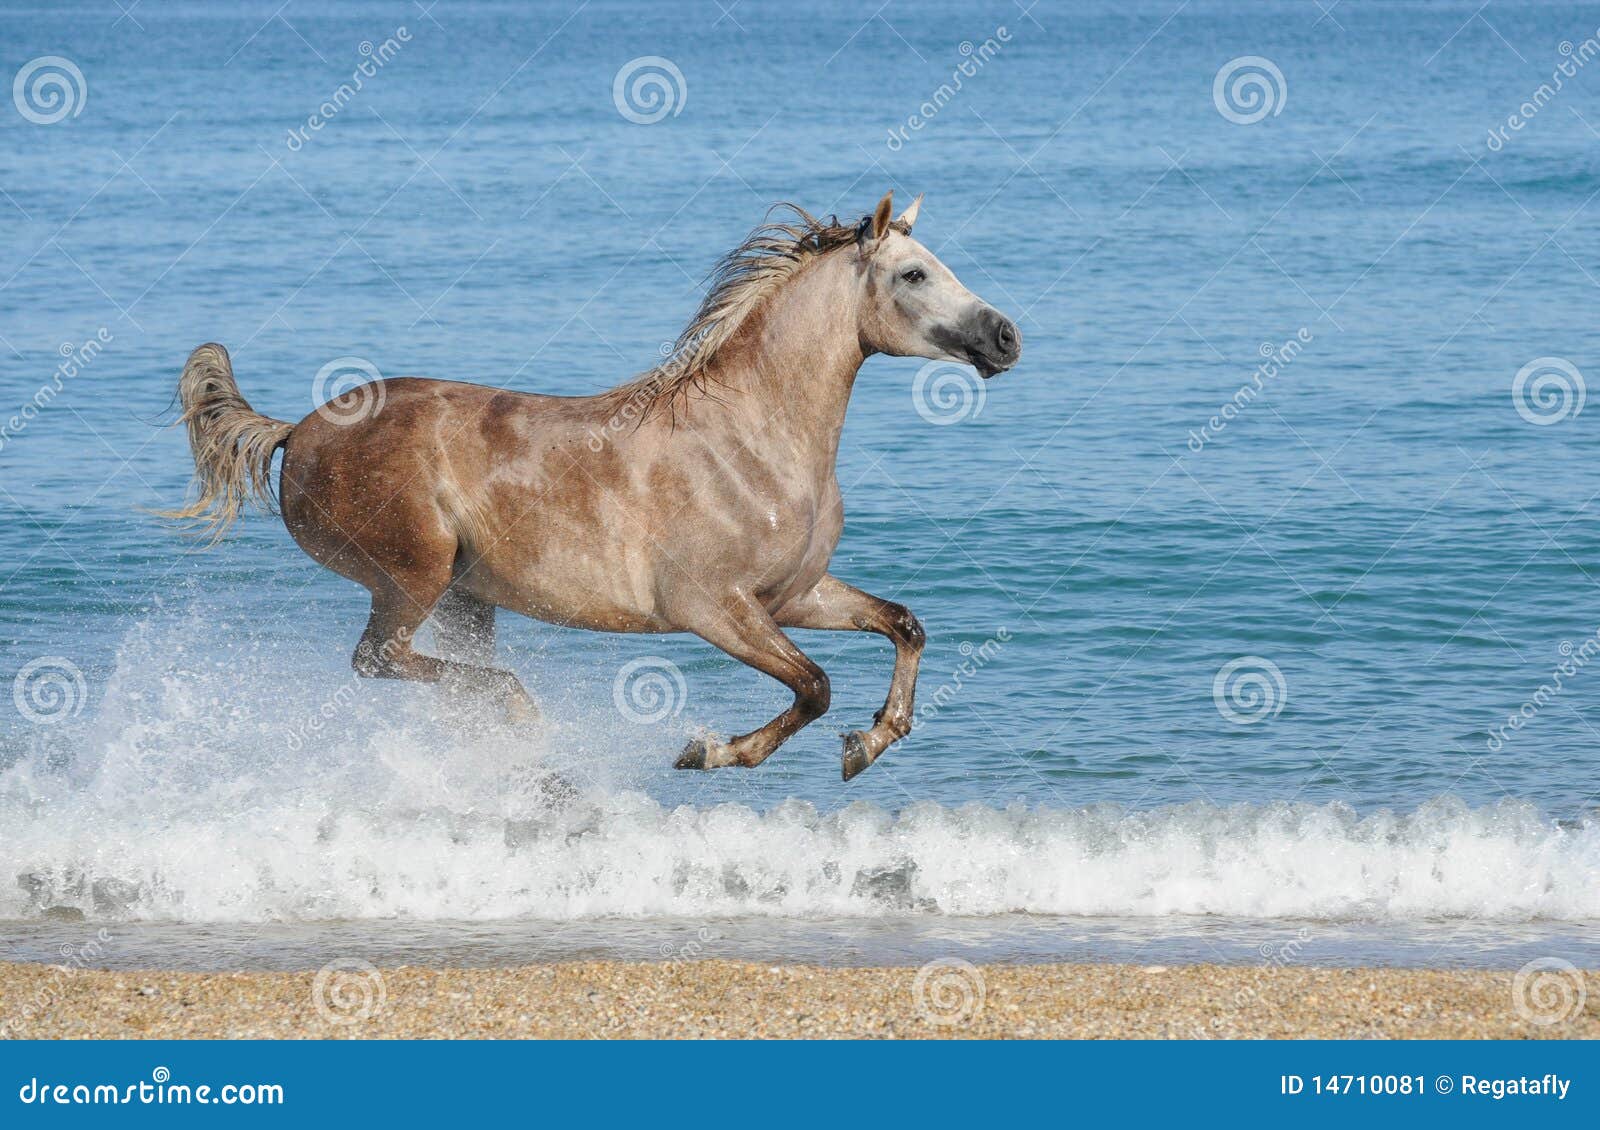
column 694, row 999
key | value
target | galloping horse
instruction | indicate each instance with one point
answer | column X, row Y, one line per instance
column 700, row 497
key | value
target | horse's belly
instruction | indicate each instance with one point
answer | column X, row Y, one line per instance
column 795, row 577
column 582, row 592
column 613, row 572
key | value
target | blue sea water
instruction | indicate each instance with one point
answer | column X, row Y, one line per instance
column 1196, row 678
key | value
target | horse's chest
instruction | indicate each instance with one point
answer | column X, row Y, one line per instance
column 797, row 539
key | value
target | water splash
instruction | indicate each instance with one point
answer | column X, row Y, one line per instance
column 184, row 796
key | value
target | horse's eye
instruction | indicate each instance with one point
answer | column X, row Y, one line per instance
column 914, row 275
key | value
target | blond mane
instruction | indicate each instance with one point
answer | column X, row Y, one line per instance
column 741, row 282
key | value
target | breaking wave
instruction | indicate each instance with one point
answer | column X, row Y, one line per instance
column 162, row 803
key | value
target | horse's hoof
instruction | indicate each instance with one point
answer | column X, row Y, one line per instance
column 694, row 755
column 855, row 754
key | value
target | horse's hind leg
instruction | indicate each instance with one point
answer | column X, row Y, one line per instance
column 745, row 631
column 399, row 606
column 463, row 627
column 835, row 606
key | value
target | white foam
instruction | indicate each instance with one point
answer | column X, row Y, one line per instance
column 170, row 803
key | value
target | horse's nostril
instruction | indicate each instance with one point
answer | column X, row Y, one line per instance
column 1006, row 335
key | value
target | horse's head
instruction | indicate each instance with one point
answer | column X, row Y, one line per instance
column 914, row 306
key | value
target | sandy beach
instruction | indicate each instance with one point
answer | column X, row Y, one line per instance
column 719, row 999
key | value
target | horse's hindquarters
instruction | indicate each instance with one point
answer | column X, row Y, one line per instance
column 360, row 494
column 490, row 493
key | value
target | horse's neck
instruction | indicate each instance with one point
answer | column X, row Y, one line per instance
column 790, row 369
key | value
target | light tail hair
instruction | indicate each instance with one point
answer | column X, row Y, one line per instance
column 232, row 445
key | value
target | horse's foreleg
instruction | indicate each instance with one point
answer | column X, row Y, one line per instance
column 744, row 630
column 835, row 606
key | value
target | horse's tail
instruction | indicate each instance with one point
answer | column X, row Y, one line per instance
column 232, row 444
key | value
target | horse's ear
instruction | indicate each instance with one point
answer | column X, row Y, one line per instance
column 880, row 218
column 909, row 216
